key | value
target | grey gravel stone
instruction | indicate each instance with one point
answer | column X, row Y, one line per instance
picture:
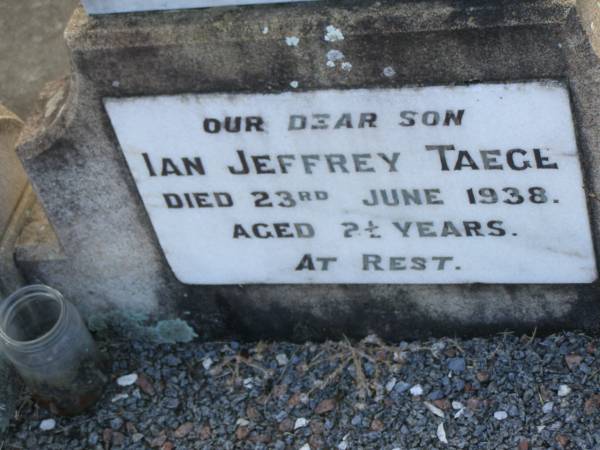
column 116, row 423
column 172, row 403
column 281, row 416
column 93, row 438
column 524, row 380
column 356, row 420
column 457, row 365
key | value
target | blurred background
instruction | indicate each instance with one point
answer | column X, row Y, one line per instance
column 32, row 49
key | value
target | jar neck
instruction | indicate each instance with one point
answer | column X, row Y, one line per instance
column 20, row 299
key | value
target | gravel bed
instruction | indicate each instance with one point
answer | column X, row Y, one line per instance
column 504, row 392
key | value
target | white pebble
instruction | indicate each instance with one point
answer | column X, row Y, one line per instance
column 441, row 433
column 295, row 85
column 346, row 66
column 207, row 363
column 248, row 383
column 292, row 41
column 119, row 397
column 400, row 356
column 344, row 444
column 500, row 415
column 333, row 34
column 265, row 30
column 48, row 424
column 300, row 423
column 282, row 358
column 434, row 409
column 416, row 390
column 457, row 405
column 372, row 339
column 563, row 390
column 305, row 447
column 242, row 423
column 438, row 346
column 127, row 380
column 547, row 408
column 390, row 385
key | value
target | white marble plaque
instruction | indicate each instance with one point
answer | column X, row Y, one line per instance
column 466, row 184
column 121, row 6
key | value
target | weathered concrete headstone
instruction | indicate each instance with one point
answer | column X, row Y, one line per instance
column 313, row 169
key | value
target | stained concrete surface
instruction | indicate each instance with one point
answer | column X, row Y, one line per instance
column 87, row 191
column 32, row 49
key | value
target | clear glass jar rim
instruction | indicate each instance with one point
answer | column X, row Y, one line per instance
column 7, row 305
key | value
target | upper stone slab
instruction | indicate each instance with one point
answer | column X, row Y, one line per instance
column 121, row 6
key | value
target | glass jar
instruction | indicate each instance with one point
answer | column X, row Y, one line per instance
column 45, row 339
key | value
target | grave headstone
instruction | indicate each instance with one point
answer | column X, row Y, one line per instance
column 312, row 169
